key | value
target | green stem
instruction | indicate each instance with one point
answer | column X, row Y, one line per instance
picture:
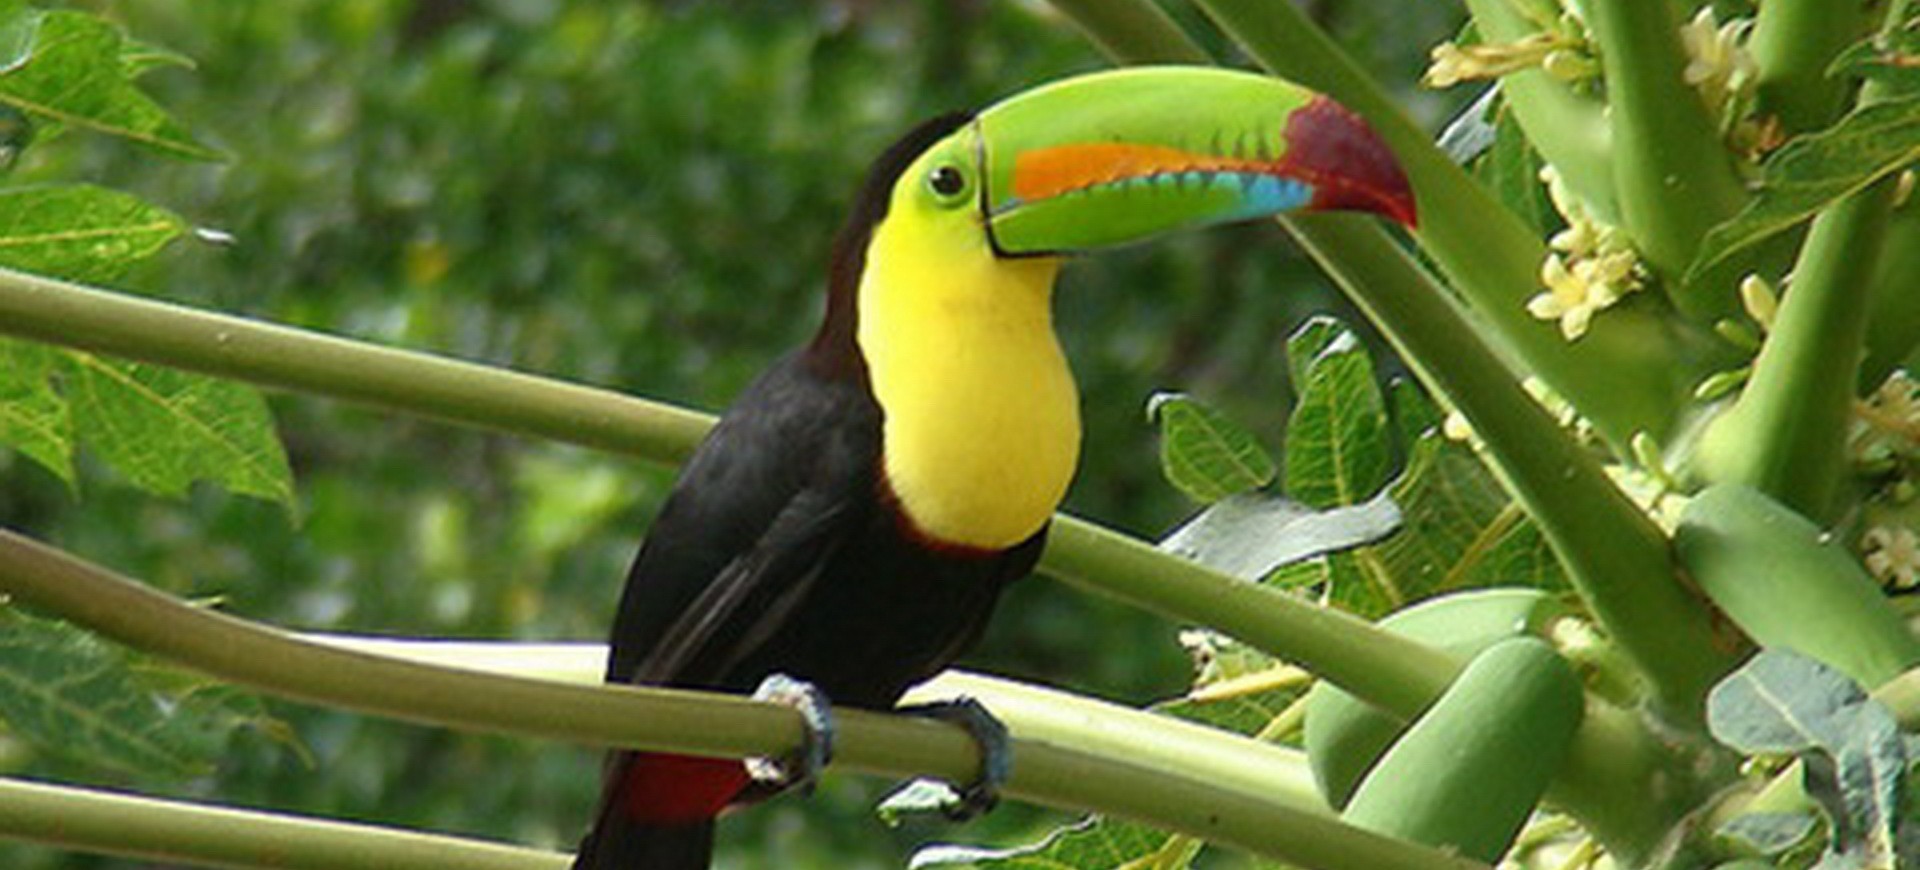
column 1570, row 129
column 1893, row 321
column 1675, row 178
column 1065, row 771
column 1793, row 43
column 1137, row 30
column 1787, row 434
column 271, row 355
column 170, row 831
column 1624, row 375
column 1031, row 712
column 1396, row 673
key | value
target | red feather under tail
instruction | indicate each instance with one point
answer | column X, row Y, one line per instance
column 658, row 810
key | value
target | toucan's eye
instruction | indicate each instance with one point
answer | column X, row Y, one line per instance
column 946, row 181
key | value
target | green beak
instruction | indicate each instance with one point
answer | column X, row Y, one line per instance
column 1115, row 157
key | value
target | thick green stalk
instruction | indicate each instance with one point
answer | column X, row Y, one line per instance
column 1893, row 320
column 1569, row 129
column 1391, row 671
column 1787, row 433
column 1624, row 375
column 182, row 832
column 1675, row 178
column 1136, row 30
column 1062, row 772
column 58, row 312
column 1793, row 43
column 1031, row 712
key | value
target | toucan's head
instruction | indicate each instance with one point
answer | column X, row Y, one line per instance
column 1115, row 157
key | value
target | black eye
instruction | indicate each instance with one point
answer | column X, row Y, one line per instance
column 946, row 181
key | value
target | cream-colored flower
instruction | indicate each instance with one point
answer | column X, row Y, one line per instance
column 1899, row 398
column 1893, row 555
column 1591, row 268
column 1566, row 300
column 1454, row 63
column 1717, row 63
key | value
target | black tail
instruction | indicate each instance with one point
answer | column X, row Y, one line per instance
column 617, row 843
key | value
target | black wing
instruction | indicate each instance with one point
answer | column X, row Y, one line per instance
column 786, row 478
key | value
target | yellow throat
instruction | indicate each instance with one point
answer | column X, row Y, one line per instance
column 982, row 427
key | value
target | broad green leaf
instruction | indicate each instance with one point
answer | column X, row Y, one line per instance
column 1337, row 450
column 81, row 232
column 1459, row 529
column 1769, row 833
column 165, row 429
column 1095, row 843
column 19, row 23
column 78, row 74
column 1784, row 703
column 1205, row 454
column 1891, row 57
column 1780, row 703
column 1511, row 171
column 68, row 694
column 33, row 417
column 1251, row 534
column 1814, row 171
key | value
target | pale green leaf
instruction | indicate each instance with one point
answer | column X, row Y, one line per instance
column 78, row 73
column 1890, row 57
column 80, row 232
column 33, row 417
column 165, row 429
column 1095, row 843
column 1814, row 171
column 1205, row 454
column 68, row 694
column 1337, row 450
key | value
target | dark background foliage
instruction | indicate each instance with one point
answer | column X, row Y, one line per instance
column 633, row 195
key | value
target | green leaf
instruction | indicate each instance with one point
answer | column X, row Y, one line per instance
column 33, row 417
column 1769, row 833
column 165, row 429
column 81, row 232
column 19, row 24
column 1784, row 703
column 1890, row 57
column 1780, row 703
column 78, row 73
column 1511, row 171
column 1814, row 171
column 1337, row 437
column 1095, row 843
column 1251, row 534
column 69, row 695
column 1459, row 529
column 1205, row 454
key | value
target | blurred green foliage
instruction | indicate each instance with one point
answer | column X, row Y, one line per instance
column 633, row 195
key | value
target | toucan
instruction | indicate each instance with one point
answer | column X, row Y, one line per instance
column 852, row 518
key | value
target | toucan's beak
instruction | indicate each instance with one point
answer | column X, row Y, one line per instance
column 1114, row 157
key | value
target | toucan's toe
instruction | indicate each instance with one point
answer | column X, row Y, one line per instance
column 996, row 753
column 801, row 768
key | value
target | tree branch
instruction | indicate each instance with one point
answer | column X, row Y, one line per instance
column 1070, row 773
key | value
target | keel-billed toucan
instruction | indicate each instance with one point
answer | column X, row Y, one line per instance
column 851, row 520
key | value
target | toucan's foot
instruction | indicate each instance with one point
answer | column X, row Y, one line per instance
column 801, row 768
column 996, row 753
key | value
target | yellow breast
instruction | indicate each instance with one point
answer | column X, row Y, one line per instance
column 982, row 428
